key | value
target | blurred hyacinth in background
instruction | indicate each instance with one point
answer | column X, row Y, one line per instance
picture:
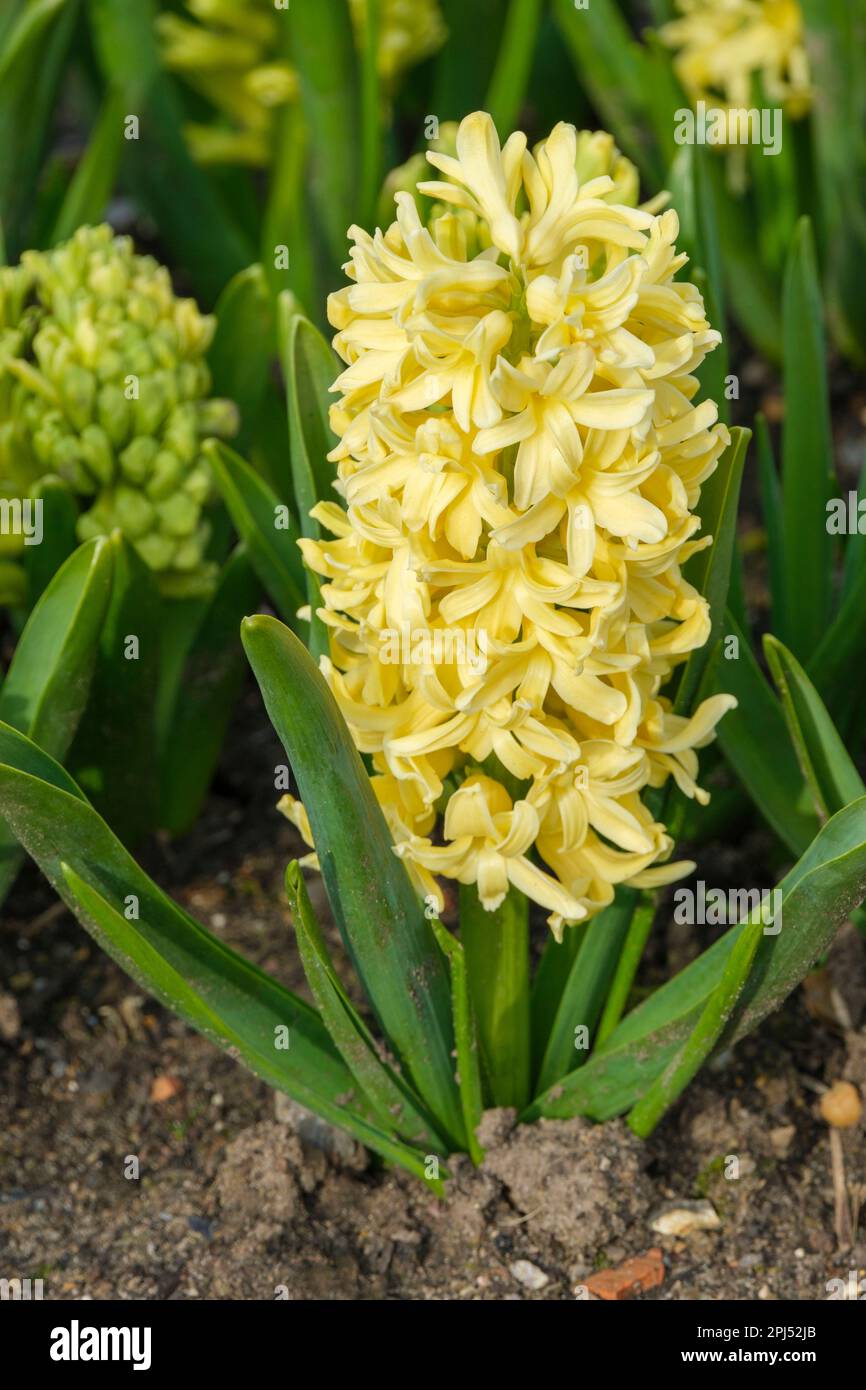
column 237, row 55
column 104, row 385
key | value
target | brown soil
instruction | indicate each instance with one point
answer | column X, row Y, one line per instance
column 240, row 1195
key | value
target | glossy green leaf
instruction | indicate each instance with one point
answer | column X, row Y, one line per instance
column 167, row 952
column 113, row 755
column 309, row 368
column 92, row 184
column 211, row 680
column 771, row 508
column 855, row 548
column 822, row 888
column 836, row 45
column 252, row 1031
column 47, row 685
column 195, row 224
column 391, row 944
column 755, row 742
column 586, row 988
column 507, row 89
column 775, row 185
column 710, row 569
column 826, row 764
column 614, row 70
column 59, row 535
column 324, row 52
column 807, row 454
column 243, row 346
column 752, row 292
column 287, row 220
column 464, row 65
column 371, row 104
column 548, row 985
column 391, row 1100
column 630, row 956
column 34, row 43
column 693, row 197
column 714, row 1019
column 465, row 1039
column 496, row 952
column 264, row 524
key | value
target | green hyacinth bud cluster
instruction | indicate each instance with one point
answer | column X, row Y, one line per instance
column 104, row 384
column 15, row 478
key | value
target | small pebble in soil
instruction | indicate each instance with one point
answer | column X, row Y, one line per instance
column 165, row 1088
column 841, row 1106
column 10, row 1017
column 529, row 1275
column 680, row 1218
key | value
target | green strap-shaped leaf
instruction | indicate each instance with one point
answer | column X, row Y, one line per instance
column 309, row 368
column 775, row 184
column 839, row 654
column 464, row 65
column 243, row 345
column 170, row 954
column 823, row 757
column 585, row 989
column 836, row 44
column 211, row 680
column 257, row 514
column 807, row 456
column 548, row 984
column 466, row 1039
column 855, row 546
column 771, row 508
column 614, row 69
column 194, row 222
column 93, row 182
column 34, row 43
column 46, row 688
column 286, row 220
column 496, row 949
column 752, row 293
column 380, row 918
column 507, row 89
column 693, row 197
column 370, row 97
column 710, row 569
column 393, row 1103
column 638, row 934
column 817, row 895
column 755, row 742
column 645, row 1115
column 324, row 52
column 59, row 535
column 114, row 752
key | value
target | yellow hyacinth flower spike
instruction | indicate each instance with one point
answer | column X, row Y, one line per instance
column 519, row 462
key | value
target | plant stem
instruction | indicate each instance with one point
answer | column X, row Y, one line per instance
column 496, row 945
column 626, row 969
column 513, row 64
